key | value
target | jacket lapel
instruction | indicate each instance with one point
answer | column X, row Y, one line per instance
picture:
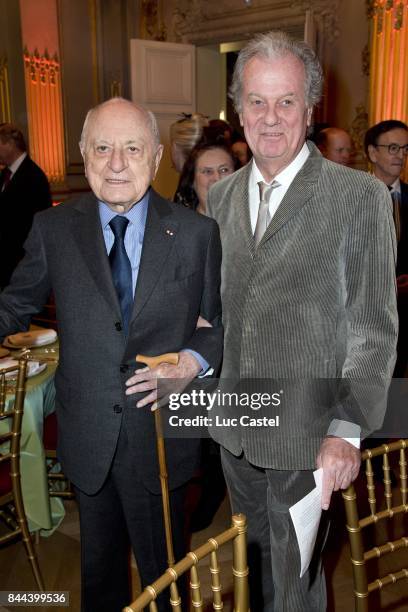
column 240, row 202
column 159, row 238
column 300, row 192
column 87, row 232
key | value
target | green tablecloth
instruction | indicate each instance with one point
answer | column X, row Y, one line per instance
column 43, row 513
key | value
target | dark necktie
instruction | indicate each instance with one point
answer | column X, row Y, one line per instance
column 121, row 269
column 396, row 211
column 6, row 177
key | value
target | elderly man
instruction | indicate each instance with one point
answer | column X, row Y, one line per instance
column 131, row 273
column 308, row 294
column 24, row 190
column 386, row 146
column 335, row 144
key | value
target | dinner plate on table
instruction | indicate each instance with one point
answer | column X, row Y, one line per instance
column 31, row 339
column 33, row 367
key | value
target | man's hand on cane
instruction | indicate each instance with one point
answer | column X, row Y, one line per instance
column 145, row 379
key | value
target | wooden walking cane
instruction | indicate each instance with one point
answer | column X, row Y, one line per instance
column 152, row 362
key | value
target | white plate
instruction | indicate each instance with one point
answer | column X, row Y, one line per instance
column 16, row 347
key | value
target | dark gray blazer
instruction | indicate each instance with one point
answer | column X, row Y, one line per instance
column 315, row 300
column 178, row 280
column 27, row 193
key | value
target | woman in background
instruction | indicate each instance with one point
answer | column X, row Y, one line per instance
column 206, row 164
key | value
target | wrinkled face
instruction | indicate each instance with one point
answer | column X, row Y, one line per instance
column 274, row 111
column 210, row 167
column 120, row 156
column 338, row 148
column 388, row 167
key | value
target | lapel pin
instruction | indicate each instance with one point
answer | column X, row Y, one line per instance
column 169, row 232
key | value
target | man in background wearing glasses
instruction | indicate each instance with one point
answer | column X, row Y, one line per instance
column 386, row 146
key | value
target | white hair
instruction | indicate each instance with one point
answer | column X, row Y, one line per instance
column 273, row 45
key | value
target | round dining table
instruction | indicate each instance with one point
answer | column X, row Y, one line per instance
column 44, row 513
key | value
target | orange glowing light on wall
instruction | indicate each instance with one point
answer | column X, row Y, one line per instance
column 388, row 96
column 44, row 109
column 5, row 114
column 389, row 61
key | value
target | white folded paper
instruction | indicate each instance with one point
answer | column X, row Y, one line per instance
column 33, row 367
column 306, row 515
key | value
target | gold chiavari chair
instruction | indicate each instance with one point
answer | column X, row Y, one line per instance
column 12, row 512
column 378, row 515
column 237, row 535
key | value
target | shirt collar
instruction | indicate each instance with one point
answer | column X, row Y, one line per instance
column 136, row 215
column 286, row 176
column 17, row 163
column 396, row 186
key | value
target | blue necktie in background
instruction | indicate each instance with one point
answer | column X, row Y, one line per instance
column 121, row 269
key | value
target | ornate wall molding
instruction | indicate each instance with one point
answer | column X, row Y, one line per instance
column 365, row 60
column 327, row 12
column 358, row 128
column 152, row 25
column 378, row 9
column 44, row 111
column 207, row 22
column 388, row 61
column 200, row 22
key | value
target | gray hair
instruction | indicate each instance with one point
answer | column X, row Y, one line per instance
column 274, row 45
column 150, row 119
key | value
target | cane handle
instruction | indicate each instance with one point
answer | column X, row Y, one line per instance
column 152, row 362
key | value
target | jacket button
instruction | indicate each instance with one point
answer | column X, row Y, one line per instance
column 118, row 326
column 117, row 409
column 124, row 367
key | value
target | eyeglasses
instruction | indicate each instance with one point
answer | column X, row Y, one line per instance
column 394, row 149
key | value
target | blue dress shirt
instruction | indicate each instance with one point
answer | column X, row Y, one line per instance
column 134, row 243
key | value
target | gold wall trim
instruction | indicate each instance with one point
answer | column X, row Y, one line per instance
column 93, row 12
column 5, row 108
column 44, row 111
column 389, row 62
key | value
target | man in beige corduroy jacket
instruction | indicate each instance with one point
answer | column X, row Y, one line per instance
column 308, row 291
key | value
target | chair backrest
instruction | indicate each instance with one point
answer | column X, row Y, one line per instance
column 11, row 499
column 237, row 535
column 12, row 409
column 386, row 509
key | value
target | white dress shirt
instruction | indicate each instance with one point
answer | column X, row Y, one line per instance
column 17, row 163
column 284, row 178
column 396, row 186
